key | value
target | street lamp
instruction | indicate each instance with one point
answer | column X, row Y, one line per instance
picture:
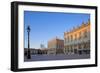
column 28, row 52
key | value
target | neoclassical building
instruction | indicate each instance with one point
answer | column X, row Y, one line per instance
column 77, row 41
column 55, row 46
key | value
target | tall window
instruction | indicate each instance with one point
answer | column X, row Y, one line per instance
column 80, row 34
column 85, row 45
column 68, row 50
column 65, row 40
column 85, row 34
column 79, row 46
column 71, row 48
column 71, row 37
column 75, row 36
column 68, row 38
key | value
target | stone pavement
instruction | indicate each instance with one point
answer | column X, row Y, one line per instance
column 56, row 57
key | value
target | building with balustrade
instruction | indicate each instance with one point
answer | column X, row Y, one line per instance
column 77, row 41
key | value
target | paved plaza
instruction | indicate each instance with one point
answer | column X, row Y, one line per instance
column 56, row 57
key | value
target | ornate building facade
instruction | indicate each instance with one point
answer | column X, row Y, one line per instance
column 77, row 41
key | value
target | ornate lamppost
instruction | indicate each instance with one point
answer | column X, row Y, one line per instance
column 28, row 52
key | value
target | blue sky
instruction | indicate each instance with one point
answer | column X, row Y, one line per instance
column 48, row 25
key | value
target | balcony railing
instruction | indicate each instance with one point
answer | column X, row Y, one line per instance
column 77, row 41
